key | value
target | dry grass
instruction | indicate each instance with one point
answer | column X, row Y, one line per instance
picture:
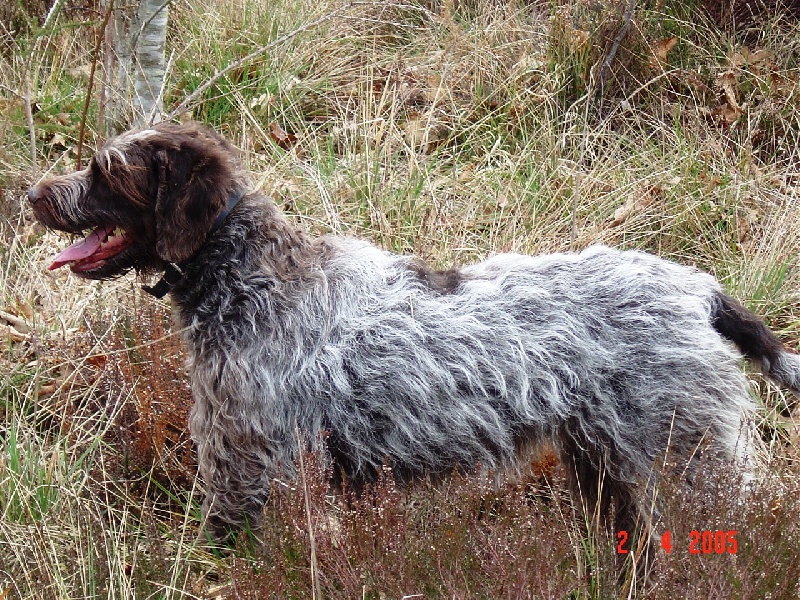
column 448, row 129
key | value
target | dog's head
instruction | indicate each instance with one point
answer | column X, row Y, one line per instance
column 148, row 198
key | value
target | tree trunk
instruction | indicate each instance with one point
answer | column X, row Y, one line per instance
column 136, row 43
column 148, row 78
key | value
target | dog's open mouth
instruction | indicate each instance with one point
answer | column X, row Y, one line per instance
column 93, row 251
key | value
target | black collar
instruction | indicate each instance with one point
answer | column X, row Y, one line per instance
column 173, row 273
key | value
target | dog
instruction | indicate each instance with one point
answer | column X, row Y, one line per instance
column 616, row 358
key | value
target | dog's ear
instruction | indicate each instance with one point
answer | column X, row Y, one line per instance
column 194, row 180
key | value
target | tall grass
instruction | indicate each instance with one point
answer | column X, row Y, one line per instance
column 447, row 129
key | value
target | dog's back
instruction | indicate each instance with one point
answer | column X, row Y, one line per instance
column 616, row 343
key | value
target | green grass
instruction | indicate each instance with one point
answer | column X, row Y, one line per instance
column 30, row 489
column 450, row 131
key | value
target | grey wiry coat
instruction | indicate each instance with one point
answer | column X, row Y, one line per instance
column 616, row 358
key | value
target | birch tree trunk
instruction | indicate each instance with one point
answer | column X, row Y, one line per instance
column 135, row 70
column 148, row 78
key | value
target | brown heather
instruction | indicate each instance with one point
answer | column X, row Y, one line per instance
column 148, row 370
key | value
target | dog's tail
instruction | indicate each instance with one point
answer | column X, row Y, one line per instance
column 737, row 324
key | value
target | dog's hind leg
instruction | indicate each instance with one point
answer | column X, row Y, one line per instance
column 625, row 509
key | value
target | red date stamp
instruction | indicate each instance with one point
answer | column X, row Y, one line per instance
column 700, row 542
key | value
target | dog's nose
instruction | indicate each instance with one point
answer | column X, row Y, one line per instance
column 35, row 194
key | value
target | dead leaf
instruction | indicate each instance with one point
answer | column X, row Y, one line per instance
column 633, row 205
column 694, row 80
column 578, row 39
column 244, row 73
column 97, row 360
column 8, row 332
column 756, row 61
column 24, row 308
column 423, row 133
column 746, row 222
column 729, row 112
column 282, row 138
column 727, row 81
column 660, row 50
column 262, row 101
column 58, row 141
column 16, row 322
column 47, row 388
column 782, row 84
column 9, row 104
column 81, row 71
column 709, row 180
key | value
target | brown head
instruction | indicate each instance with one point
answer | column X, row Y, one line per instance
column 148, row 198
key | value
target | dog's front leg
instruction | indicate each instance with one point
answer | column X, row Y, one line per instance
column 236, row 478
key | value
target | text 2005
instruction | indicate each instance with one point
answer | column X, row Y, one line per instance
column 700, row 542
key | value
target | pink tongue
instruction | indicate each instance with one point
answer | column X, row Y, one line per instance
column 82, row 249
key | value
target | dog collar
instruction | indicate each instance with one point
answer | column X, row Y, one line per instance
column 173, row 273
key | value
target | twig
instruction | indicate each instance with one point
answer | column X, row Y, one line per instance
column 184, row 105
column 16, row 322
column 12, row 91
column 52, row 13
column 594, row 90
column 9, row 332
column 95, row 57
column 316, row 592
column 26, row 98
column 605, row 67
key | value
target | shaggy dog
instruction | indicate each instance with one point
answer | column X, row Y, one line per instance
column 615, row 358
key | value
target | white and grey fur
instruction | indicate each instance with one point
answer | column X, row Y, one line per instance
column 616, row 358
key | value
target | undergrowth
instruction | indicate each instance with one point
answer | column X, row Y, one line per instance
column 519, row 539
column 448, row 129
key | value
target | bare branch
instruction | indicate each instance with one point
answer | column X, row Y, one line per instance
column 95, row 57
column 12, row 91
column 605, row 66
column 52, row 13
column 26, row 100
